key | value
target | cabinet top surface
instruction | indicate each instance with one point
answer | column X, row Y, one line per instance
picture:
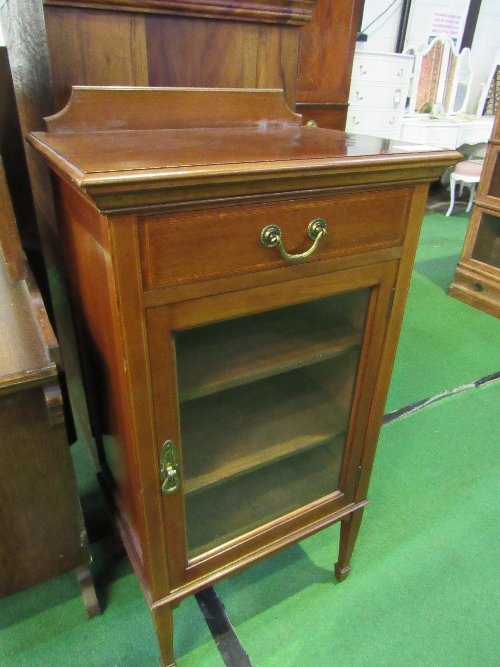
column 24, row 357
column 94, row 156
column 162, row 139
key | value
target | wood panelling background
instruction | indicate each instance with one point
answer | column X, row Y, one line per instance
column 14, row 161
column 100, row 47
column 94, row 47
column 227, row 54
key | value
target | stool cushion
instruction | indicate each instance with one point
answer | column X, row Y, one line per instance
column 469, row 168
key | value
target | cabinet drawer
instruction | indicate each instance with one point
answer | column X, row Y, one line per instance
column 195, row 246
column 477, row 286
column 444, row 136
column 381, row 67
column 372, row 96
column 379, row 123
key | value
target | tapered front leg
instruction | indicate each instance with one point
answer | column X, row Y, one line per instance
column 88, row 591
column 162, row 617
column 349, row 529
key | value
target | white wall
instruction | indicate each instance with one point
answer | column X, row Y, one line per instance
column 430, row 18
column 427, row 18
column 382, row 35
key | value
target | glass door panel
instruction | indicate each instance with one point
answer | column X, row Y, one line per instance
column 494, row 186
column 487, row 245
column 265, row 403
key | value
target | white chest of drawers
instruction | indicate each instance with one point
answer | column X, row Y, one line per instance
column 379, row 88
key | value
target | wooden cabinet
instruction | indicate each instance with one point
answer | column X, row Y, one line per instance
column 239, row 348
column 42, row 532
column 477, row 276
column 326, row 52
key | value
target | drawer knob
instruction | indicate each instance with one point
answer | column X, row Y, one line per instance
column 271, row 237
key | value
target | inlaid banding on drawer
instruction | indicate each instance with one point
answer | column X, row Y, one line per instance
column 179, row 248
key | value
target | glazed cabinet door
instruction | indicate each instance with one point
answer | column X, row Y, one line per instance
column 261, row 401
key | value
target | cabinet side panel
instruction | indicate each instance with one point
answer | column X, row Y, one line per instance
column 42, row 533
column 91, row 283
column 415, row 215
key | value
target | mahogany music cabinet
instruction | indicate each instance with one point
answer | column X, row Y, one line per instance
column 238, row 282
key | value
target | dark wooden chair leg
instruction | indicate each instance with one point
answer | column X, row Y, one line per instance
column 88, row 591
column 349, row 530
column 162, row 617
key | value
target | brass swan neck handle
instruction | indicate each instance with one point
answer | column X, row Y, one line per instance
column 271, row 237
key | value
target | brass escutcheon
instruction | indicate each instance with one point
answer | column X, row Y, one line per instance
column 169, row 468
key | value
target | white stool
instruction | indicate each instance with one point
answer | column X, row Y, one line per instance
column 467, row 173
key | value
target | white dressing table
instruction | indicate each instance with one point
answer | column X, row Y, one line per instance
column 450, row 132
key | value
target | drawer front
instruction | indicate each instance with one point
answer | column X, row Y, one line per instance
column 445, row 137
column 477, row 288
column 376, row 67
column 386, row 124
column 371, row 96
column 180, row 248
column 433, row 135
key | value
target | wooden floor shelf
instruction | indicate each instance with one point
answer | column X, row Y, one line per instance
column 249, row 427
column 216, row 357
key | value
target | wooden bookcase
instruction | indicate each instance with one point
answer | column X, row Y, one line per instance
column 239, row 381
column 477, row 276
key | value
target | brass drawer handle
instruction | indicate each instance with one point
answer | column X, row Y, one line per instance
column 271, row 237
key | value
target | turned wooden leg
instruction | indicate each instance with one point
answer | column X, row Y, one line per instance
column 88, row 591
column 349, row 529
column 162, row 617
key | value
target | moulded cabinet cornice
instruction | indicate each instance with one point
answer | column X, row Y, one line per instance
column 294, row 12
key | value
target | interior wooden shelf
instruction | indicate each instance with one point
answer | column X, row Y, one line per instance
column 216, row 357
column 224, row 512
column 227, row 435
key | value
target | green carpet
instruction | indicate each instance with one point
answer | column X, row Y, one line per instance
column 444, row 343
column 424, row 587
